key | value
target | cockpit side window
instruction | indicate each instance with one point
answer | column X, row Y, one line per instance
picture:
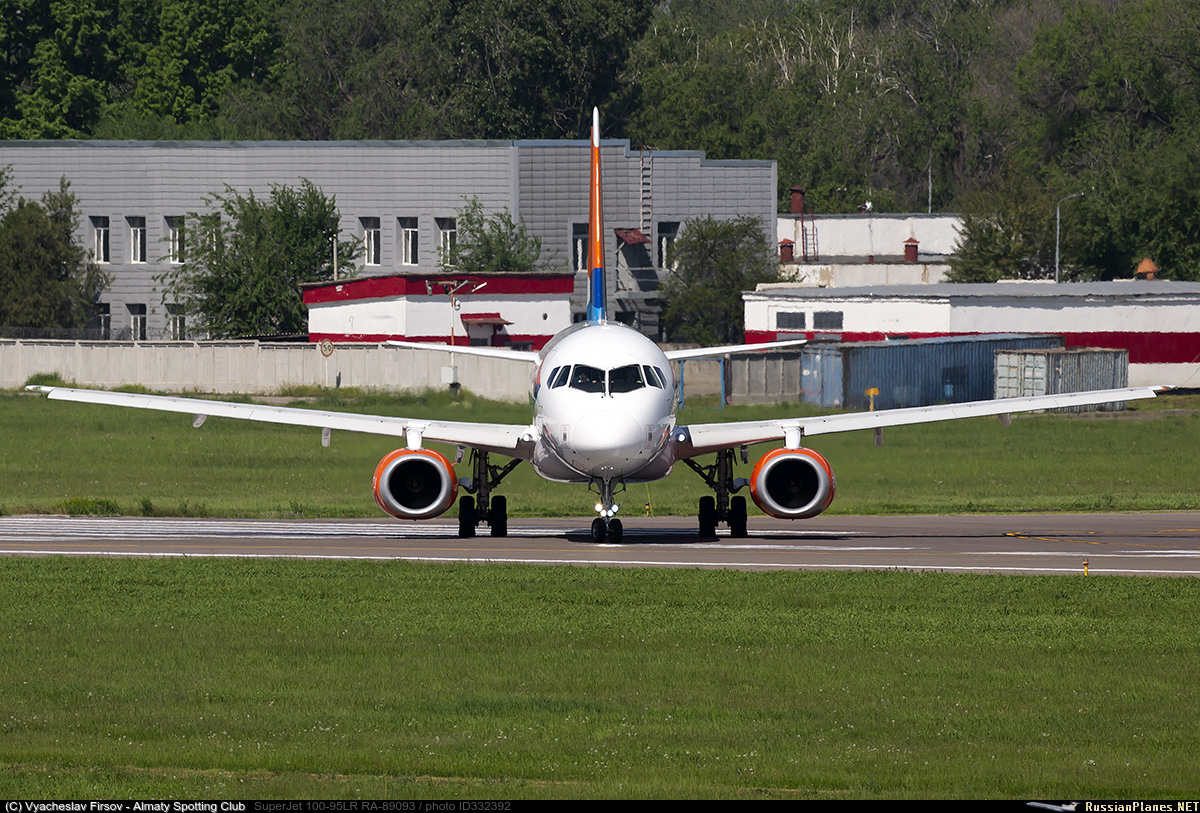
column 586, row 378
column 560, row 376
column 652, row 377
column 625, row 379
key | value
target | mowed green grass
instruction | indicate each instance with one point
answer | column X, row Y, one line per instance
column 286, row 678
column 59, row 457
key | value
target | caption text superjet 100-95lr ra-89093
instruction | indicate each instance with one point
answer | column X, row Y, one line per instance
column 603, row 415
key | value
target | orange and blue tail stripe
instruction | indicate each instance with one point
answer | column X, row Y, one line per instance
column 597, row 310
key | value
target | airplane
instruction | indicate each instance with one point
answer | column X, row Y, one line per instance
column 604, row 416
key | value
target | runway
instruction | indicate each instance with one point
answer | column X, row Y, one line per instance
column 1126, row 544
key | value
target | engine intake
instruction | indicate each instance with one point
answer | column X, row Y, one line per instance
column 793, row 483
column 414, row 484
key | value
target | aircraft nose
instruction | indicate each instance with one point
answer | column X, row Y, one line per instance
column 614, row 433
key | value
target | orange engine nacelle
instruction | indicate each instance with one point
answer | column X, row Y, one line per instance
column 414, row 484
column 793, row 483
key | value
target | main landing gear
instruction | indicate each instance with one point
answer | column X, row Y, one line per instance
column 483, row 507
column 722, row 507
column 607, row 526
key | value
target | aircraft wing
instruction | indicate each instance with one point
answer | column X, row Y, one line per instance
column 465, row 350
column 721, row 350
column 508, row 439
column 532, row 357
column 711, row 437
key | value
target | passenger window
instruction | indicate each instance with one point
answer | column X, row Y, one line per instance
column 586, row 378
column 652, row 378
column 625, row 379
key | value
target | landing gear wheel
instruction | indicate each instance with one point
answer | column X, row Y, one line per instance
column 599, row 530
column 737, row 517
column 466, row 517
column 498, row 516
column 615, row 531
column 708, row 516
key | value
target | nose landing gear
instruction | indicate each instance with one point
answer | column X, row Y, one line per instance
column 607, row 526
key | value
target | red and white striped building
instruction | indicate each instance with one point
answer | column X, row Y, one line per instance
column 1158, row 322
column 521, row 311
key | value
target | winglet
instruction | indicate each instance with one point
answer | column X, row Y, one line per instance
column 597, row 310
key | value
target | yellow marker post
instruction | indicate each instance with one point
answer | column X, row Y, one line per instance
column 1085, row 564
column 871, row 393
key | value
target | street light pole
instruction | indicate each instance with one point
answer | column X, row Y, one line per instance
column 1058, row 228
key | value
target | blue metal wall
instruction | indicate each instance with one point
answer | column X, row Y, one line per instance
column 910, row 372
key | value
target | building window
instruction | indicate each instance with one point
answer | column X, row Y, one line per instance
column 372, row 241
column 408, row 241
column 102, row 321
column 100, row 239
column 175, row 240
column 137, row 322
column 579, row 245
column 827, row 320
column 447, row 238
column 667, row 232
column 176, row 323
column 789, row 320
column 137, row 239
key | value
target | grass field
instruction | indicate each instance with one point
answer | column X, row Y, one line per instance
column 74, row 458
column 210, row 678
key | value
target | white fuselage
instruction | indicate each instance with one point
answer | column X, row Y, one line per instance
column 604, row 406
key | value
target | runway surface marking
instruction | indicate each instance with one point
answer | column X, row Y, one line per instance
column 1184, row 532
column 22, row 528
column 911, row 544
column 623, row 562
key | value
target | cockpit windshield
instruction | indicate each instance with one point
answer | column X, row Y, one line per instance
column 625, row 379
column 588, row 379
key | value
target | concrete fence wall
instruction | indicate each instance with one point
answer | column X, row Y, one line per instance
column 253, row 367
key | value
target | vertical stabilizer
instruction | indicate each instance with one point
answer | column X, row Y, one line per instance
column 597, row 310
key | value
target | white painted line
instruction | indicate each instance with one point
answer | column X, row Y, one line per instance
column 630, row 563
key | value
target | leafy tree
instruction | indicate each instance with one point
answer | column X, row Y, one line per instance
column 441, row 69
column 47, row 278
column 244, row 261
column 1007, row 233
column 534, row 70
column 716, row 260
column 57, row 63
column 181, row 58
column 492, row 243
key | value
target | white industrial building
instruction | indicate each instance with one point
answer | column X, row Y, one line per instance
column 1158, row 322
column 847, row 251
column 520, row 311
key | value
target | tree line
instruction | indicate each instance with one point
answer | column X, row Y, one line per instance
column 997, row 109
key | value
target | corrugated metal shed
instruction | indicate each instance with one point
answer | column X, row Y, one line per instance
column 1051, row 372
column 909, row 372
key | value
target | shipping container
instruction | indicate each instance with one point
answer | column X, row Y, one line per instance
column 1050, row 372
column 907, row 372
